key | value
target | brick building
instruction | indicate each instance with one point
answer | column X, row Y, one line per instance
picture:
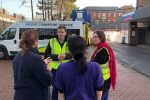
column 107, row 14
column 6, row 20
column 142, row 3
column 139, row 23
column 9, row 18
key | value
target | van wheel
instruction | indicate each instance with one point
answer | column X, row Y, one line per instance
column 2, row 54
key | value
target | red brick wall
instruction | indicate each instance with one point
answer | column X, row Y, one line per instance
column 127, row 9
column 142, row 3
column 111, row 18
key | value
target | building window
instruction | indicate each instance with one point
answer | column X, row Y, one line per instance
column 114, row 14
column 99, row 14
column 8, row 19
column 103, row 16
column 108, row 14
column 108, row 20
column 119, row 14
column 4, row 19
column 94, row 14
column 114, row 20
column 79, row 15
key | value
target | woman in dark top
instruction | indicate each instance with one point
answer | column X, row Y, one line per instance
column 79, row 79
column 32, row 77
column 104, row 55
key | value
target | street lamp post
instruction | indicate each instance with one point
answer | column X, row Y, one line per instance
column 2, row 15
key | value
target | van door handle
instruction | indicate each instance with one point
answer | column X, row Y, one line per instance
column 15, row 41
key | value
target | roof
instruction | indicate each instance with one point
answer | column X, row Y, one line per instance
column 9, row 16
column 101, row 8
column 140, row 15
column 110, row 25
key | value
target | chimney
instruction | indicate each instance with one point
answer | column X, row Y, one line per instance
column 4, row 11
column 15, row 15
column 22, row 17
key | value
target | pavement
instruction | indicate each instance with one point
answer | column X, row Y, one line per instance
column 134, row 57
column 131, row 85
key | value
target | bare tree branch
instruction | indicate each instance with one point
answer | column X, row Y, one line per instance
column 23, row 2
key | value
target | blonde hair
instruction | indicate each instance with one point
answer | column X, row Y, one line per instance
column 27, row 40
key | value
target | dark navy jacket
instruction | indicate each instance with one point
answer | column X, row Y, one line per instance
column 31, row 77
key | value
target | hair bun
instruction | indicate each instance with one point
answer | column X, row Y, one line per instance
column 78, row 55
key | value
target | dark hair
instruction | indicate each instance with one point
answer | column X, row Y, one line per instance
column 101, row 35
column 62, row 27
column 27, row 40
column 77, row 47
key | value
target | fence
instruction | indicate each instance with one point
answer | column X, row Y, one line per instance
column 2, row 24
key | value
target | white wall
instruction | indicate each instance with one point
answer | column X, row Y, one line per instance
column 117, row 36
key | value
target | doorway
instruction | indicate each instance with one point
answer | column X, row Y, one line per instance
column 141, row 36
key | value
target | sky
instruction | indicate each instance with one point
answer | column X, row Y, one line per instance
column 13, row 6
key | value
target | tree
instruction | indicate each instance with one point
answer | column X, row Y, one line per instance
column 45, row 6
column 59, row 8
column 23, row 2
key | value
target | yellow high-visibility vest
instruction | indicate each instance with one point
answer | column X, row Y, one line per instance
column 56, row 49
column 105, row 67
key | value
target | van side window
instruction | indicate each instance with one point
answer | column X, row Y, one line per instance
column 73, row 31
column 44, row 33
column 12, row 33
column 9, row 34
column 47, row 33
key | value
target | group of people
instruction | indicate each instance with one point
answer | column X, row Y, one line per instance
column 65, row 67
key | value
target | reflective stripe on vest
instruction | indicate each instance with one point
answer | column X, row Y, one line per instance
column 105, row 67
column 56, row 49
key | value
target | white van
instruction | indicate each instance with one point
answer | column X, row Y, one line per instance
column 9, row 39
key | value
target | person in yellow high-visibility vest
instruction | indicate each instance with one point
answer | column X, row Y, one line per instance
column 104, row 55
column 58, row 51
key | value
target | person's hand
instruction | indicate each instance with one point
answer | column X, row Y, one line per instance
column 61, row 56
column 49, row 67
column 47, row 60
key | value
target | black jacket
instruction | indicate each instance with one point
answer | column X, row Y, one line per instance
column 55, row 56
column 31, row 77
column 102, row 57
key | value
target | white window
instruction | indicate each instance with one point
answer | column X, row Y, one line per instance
column 99, row 14
column 114, row 20
column 108, row 14
column 103, row 16
column 79, row 15
column 8, row 19
column 114, row 14
column 4, row 19
column 120, row 13
column 108, row 20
